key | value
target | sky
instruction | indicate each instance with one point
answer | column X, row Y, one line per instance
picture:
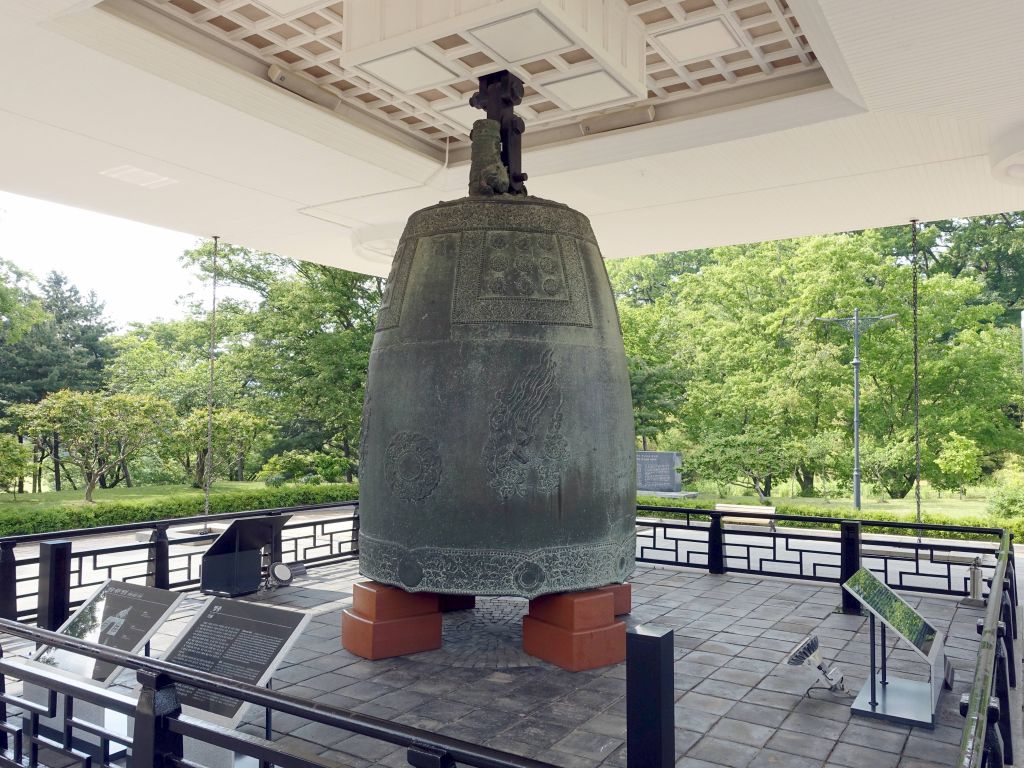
column 132, row 267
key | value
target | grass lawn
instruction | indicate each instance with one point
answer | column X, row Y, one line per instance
column 25, row 502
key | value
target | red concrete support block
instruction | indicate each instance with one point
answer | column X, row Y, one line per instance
column 575, row 630
column 386, row 621
column 623, row 595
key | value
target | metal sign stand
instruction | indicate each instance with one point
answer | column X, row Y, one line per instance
column 910, row 702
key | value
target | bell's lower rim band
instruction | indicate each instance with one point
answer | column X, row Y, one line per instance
column 493, row 572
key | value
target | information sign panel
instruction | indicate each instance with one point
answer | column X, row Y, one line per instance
column 118, row 615
column 241, row 640
column 893, row 610
column 658, row 471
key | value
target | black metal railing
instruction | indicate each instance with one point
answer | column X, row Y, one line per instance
column 916, row 562
column 988, row 733
column 159, row 725
column 166, row 560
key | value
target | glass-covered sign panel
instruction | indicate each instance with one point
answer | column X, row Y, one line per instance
column 118, row 615
column 891, row 609
column 241, row 640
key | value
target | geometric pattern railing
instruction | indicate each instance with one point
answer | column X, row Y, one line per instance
column 911, row 562
column 328, row 535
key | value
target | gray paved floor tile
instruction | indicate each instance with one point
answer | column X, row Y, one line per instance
column 701, row 701
column 816, row 726
column 758, row 714
column 723, row 752
column 586, row 744
column 924, row 748
column 769, row 758
column 855, row 756
column 802, row 744
column 742, row 732
column 870, row 736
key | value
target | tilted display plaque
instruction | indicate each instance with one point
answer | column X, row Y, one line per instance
column 903, row 701
column 240, row 640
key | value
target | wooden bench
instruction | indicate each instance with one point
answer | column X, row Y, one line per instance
column 756, row 509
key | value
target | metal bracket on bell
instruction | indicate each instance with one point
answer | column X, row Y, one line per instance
column 499, row 94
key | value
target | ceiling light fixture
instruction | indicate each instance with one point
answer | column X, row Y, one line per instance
column 302, row 86
column 698, row 41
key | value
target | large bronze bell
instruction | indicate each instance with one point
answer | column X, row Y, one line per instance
column 498, row 445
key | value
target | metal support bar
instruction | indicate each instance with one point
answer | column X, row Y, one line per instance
column 429, row 757
column 1005, row 636
column 716, row 545
column 154, row 744
column 871, row 671
column 1009, row 611
column 885, row 654
column 650, row 713
column 1002, row 695
column 160, row 574
column 850, row 561
column 54, row 583
column 8, row 581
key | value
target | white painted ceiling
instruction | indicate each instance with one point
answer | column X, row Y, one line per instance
column 902, row 110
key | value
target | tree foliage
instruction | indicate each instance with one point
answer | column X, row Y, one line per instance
column 98, row 431
column 763, row 389
column 14, row 463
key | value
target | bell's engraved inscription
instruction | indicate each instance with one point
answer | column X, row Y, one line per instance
column 526, row 448
column 390, row 312
column 412, row 465
column 510, row 276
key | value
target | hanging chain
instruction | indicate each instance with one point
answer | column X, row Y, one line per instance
column 917, row 374
column 208, row 464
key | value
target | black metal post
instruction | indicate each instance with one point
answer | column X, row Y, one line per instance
column 160, row 574
column 154, row 744
column 8, row 581
column 355, row 533
column 1005, row 635
column 277, row 547
column 885, row 654
column 1008, row 609
column 871, row 672
column 54, row 583
column 3, row 707
column 1002, row 691
column 849, row 562
column 650, row 713
column 716, row 545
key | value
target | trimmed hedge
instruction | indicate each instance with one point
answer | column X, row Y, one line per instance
column 1014, row 525
column 170, row 506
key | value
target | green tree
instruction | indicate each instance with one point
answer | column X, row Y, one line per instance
column 14, row 463
column 236, row 435
column 758, row 366
column 656, row 381
column 304, row 347
column 98, row 432
column 19, row 309
column 959, row 463
column 66, row 349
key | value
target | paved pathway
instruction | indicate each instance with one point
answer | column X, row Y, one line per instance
column 736, row 704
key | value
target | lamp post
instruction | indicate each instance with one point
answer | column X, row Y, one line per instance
column 854, row 324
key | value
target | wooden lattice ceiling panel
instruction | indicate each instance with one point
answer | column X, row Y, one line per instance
column 690, row 47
